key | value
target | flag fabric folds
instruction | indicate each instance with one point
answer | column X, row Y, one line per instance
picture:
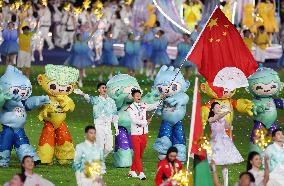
column 220, row 45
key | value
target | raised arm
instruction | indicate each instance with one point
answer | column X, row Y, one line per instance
column 218, row 116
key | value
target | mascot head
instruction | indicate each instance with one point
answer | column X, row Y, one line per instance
column 58, row 79
column 170, row 81
column 265, row 82
column 15, row 83
column 122, row 84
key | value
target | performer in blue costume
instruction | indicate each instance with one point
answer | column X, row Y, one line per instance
column 17, row 88
column 172, row 110
column 108, row 57
column 146, row 48
column 159, row 55
column 81, row 55
column 9, row 48
column 183, row 49
column 132, row 58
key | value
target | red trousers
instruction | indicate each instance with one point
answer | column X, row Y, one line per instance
column 139, row 143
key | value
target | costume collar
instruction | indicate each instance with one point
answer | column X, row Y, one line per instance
column 279, row 147
column 89, row 143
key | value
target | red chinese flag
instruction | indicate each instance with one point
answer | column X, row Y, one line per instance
column 220, row 45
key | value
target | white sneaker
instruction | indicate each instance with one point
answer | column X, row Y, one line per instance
column 132, row 174
column 142, row 176
column 40, row 58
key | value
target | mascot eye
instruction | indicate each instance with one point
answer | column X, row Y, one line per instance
column 52, row 87
column 68, row 89
column 15, row 91
column 174, row 87
column 258, row 88
column 273, row 86
column 160, row 89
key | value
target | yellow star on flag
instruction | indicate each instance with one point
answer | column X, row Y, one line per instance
column 227, row 26
column 211, row 40
column 218, row 40
column 213, row 22
column 224, row 34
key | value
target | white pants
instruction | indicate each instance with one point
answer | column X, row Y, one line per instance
column 104, row 136
column 82, row 180
column 44, row 31
column 24, row 59
column 276, row 177
column 67, row 37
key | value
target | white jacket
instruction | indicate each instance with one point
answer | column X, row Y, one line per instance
column 137, row 114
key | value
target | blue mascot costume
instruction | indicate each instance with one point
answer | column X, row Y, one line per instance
column 172, row 111
column 15, row 100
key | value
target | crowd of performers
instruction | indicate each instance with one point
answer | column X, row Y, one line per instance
column 89, row 33
column 120, row 102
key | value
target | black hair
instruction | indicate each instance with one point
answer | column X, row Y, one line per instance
column 130, row 34
column 275, row 131
column 211, row 112
column 23, row 161
column 252, row 179
column 250, row 157
column 158, row 24
column 261, row 28
column 172, row 149
column 25, row 28
column 100, row 84
column 117, row 14
column 89, row 127
column 134, row 91
column 246, row 31
column 13, row 18
column 35, row 14
column 22, row 177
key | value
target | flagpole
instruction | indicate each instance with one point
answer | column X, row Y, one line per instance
column 192, row 123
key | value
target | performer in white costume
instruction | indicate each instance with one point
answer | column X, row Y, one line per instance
column 57, row 17
column 88, row 152
column 69, row 28
column 275, row 153
column 45, row 23
column 37, row 38
column 104, row 113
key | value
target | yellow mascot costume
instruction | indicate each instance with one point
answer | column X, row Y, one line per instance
column 225, row 99
column 58, row 82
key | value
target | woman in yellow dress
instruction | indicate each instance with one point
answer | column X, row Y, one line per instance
column 271, row 16
column 192, row 13
column 248, row 20
column 262, row 15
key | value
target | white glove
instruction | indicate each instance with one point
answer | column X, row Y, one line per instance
column 78, row 91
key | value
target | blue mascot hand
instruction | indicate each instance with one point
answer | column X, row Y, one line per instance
column 44, row 100
column 36, row 101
